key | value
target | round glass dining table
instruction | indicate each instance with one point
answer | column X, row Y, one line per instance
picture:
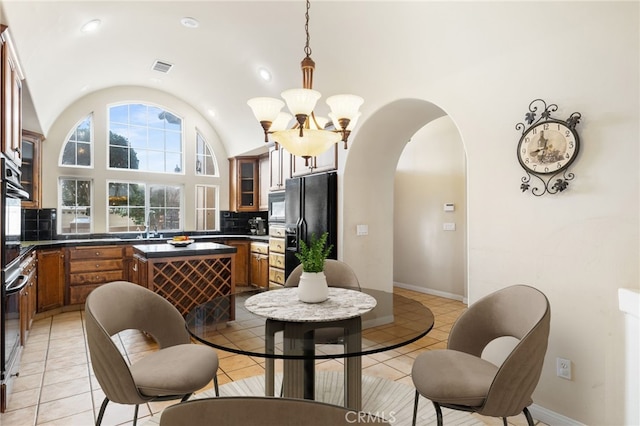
column 227, row 324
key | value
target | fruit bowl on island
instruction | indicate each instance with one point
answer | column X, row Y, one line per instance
column 180, row 241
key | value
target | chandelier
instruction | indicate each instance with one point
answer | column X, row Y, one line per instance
column 310, row 135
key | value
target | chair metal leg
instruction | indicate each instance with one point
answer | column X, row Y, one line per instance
column 135, row 415
column 103, row 406
column 504, row 421
column 215, row 385
column 438, row 412
column 527, row 414
column 415, row 408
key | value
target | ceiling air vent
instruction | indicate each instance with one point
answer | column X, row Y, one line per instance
column 163, row 67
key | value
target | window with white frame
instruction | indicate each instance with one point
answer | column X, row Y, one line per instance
column 206, row 207
column 77, row 148
column 75, row 205
column 140, row 138
column 205, row 160
column 144, row 137
column 140, row 207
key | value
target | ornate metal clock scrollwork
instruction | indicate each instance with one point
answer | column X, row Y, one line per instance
column 547, row 148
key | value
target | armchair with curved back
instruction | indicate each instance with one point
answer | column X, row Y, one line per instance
column 339, row 274
column 175, row 371
column 263, row 411
column 458, row 378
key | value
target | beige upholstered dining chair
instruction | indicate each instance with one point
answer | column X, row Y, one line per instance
column 339, row 274
column 458, row 378
column 176, row 370
column 262, row 411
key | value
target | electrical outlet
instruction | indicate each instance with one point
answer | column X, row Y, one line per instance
column 563, row 368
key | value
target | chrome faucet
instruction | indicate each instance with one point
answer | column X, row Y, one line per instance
column 151, row 219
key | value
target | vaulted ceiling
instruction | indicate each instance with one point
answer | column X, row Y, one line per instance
column 215, row 66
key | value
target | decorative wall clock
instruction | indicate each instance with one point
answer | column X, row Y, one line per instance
column 547, row 148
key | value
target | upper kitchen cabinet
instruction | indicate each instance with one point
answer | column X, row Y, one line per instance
column 10, row 99
column 263, row 167
column 324, row 162
column 279, row 168
column 31, row 172
column 244, row 183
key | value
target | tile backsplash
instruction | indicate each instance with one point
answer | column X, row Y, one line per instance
column 238, row 222
column 39, row 224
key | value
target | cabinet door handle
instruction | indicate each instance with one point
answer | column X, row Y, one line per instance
column 97, row 253
column 97, row 265
column 135, row 267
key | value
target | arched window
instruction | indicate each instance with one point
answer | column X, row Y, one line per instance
column 77, row 149
column 144, row 137
column 205, row 160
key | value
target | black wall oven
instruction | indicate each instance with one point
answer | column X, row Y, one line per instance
column 11, row 195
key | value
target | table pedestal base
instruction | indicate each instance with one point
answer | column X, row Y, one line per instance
column 299, row 374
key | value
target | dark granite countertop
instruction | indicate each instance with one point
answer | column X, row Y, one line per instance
column 29, row 245
column 194, row 249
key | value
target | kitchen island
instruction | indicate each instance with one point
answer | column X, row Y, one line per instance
column 186, row 276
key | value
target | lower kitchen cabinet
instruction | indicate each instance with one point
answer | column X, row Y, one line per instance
column 50, row 294
column 90, row 267
column 28, row 295
column 242, row 260
column 260, row 264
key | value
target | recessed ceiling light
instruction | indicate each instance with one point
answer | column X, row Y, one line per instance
column 264, row 74
column 189, row 22
column 91, row 26
column 211, row 112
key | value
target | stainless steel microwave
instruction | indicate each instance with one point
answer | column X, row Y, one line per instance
column 276, row 207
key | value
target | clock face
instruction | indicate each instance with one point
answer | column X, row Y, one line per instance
column 548, row 147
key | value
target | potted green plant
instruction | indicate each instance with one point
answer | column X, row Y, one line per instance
column 312, row 287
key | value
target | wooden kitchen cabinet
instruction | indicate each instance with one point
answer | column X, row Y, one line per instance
column 90, row 267
column 260, row 264
column 244, row 181
column 276, row 255
column 279, row 168
column 31, row 178
column 241, row 268
column 263, row 192
column 50, row 294
column 10, row 99
column 326, row 161
column 28, row 295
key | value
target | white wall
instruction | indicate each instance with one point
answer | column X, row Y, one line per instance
column 483, row 63
column 430, row 173
column 97, row 102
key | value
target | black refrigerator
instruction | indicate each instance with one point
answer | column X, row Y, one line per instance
column 311, row 207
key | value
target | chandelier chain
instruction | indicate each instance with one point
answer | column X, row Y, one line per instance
column 307, row 49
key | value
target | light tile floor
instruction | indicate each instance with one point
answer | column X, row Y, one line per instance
column 56, row 385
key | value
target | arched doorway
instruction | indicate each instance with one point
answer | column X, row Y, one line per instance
column 367, row 186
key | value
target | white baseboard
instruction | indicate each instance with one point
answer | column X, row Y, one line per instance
column 551, row 417
column 432, row 292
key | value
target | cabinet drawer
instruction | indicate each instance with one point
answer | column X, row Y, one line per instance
column 95, row 253
column 79, row 294
column 276, row 245
column 95, row 278
column 276, row 260
column 95, row 265
column 276, row 275
column 277, row 231
column 262, row 248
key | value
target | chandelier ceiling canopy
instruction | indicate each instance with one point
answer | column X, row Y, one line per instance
column 310, row 135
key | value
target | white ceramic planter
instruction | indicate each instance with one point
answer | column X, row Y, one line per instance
column 313, row 287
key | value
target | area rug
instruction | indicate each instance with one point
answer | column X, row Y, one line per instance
column 385, row 398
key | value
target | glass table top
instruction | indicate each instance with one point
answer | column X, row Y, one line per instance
column 224, row 323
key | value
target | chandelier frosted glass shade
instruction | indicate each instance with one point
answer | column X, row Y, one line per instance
column 344, row 107
column 265, row 109
column 313, row 142
column 301, row 101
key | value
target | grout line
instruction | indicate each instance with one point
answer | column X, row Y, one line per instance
column 44, row 371
column 86, row 356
